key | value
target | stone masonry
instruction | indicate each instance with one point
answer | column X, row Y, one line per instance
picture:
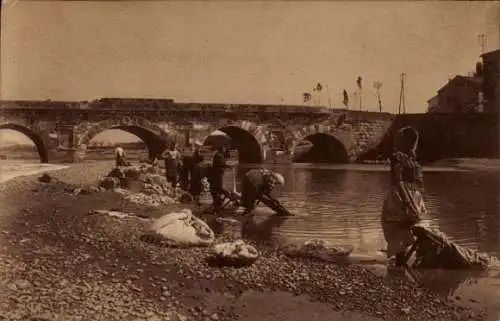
column 62, row 130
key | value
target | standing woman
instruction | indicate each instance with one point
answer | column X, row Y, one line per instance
column 404, row 204
column 187, row 166
column 216, row 176
column 120, row 157
column 171, row 159
column 197, row 175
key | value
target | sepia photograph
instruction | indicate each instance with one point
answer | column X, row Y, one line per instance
column 249, row 160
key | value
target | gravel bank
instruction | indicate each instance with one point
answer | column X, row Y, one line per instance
column 59, row 263
column 476, row 164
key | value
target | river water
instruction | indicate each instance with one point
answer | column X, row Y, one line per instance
column 10, row 169
column 342, row 204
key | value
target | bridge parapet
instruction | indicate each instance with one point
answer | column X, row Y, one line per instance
column 257, row 130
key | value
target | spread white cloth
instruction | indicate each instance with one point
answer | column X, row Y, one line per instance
column 182, row 229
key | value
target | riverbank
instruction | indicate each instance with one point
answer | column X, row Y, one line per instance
column 476, row 164
column 59, row 262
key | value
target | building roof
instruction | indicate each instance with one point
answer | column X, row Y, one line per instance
column 474, row 80
column 432, row 98
column 491, row 53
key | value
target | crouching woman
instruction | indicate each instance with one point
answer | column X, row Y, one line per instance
column 404, row 204
column 255, row 184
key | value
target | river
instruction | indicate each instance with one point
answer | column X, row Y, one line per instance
column 342, row 204
column 10, row 169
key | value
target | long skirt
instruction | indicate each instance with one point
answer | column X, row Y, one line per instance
column 398, row 217
column 249, row 194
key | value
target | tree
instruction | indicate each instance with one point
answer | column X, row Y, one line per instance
column 318, row 88
column 358, row 82
column 377, row 85
column 345, row 99
column 307, row 97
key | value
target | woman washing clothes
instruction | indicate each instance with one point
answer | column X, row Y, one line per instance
column 404, row 204
column 255, row 184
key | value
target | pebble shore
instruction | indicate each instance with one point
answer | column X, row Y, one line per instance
column 57, row 262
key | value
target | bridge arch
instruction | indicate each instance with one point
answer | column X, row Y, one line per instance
column 248, row 140
column 325, row 148
column 36, row 138
column 155, row 137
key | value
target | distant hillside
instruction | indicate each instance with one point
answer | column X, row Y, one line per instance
column 105, row 145
column 10, row 143
column 18, row 148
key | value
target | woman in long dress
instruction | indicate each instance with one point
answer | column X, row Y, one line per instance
column 197, row 175
column 255, row 184
column 404, row 204
column 120, row 157
column 172, row 158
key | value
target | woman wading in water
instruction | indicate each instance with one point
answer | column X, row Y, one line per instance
column 404, row 204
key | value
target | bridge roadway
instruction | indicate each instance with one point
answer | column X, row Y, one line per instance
column 63, row 130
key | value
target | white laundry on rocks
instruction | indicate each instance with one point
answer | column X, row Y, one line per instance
column 316, row 249
column 181, row 229
column 236, row 253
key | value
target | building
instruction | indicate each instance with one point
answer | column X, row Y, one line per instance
column 491, row 75
column 459, row 95
column 433, row 104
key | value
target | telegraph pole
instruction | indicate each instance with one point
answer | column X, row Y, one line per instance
column 482, row 42
column 402, row 98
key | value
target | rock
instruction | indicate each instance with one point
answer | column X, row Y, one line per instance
column 110, row 182
column 229, row 227
column 86, row 190
column 186, row 198
column 175, row 316
column 45, row 178
column 317, row 249
column 117, row 173
column 152, row 189
column 153, row 200
column 132, row 173
column 181, row 229
column 152, row 170
column 155, row 179
column 236, row 253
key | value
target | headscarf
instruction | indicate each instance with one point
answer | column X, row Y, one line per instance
column 406, row 140
column 279, row 179
column 119, row 151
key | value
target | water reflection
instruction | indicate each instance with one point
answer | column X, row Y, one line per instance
column 342, row 204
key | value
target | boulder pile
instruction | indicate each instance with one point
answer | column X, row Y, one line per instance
column 143, row 184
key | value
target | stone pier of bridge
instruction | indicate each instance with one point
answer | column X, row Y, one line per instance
column 62, row 131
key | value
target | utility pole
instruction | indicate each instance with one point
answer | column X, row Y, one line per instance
column 402, row 98
column 482, row 42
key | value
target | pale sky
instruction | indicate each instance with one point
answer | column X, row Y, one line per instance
column 240, row 52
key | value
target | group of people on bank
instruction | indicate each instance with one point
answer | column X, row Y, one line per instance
column 187, row 170
column 402, row 208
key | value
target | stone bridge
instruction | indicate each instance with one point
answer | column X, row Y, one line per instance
column 63, row 130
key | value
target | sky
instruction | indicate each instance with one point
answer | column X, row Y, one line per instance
column 240, row 51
